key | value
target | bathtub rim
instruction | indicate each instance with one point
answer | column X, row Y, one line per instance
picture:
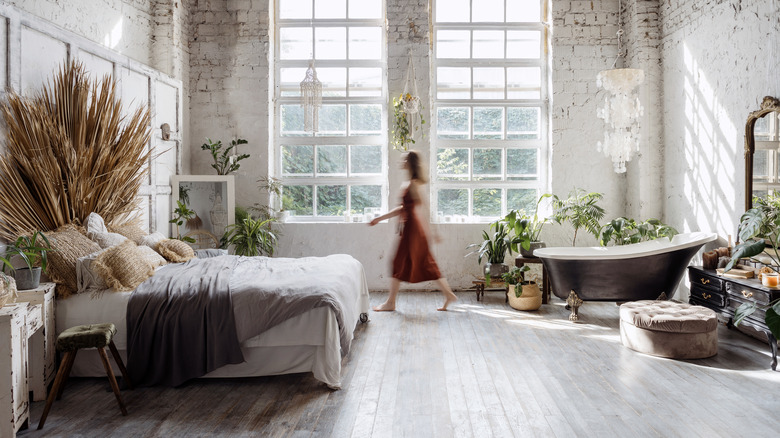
column 635, row 250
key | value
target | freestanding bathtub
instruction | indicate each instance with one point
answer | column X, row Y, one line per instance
column 641, row 271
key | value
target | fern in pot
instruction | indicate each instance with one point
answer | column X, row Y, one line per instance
column 523, row 294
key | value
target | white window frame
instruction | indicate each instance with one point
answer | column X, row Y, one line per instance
column 770, row 184
column 316, row 139
column 542, row 144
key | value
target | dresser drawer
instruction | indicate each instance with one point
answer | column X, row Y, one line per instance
column 701, row 279
column 747, row 293
column 704, row 294
column 757, row 317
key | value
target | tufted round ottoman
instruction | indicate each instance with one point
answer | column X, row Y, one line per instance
column 669, row 329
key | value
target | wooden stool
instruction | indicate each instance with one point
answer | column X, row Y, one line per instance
column 86, row 336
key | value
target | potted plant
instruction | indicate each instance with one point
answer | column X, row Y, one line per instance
column 526, row 230
column 581, row 210
column 493, row 248
column 623, row 231
column 181, row 215
column 759, row 231
column 523, row 294
column 403, row 121
column 32, row 249
column 251, row 236
column 224, row 162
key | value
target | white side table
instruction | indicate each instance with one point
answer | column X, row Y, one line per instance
column 41, row 345
column 14, row 396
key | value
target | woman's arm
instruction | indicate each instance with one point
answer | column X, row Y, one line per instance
column 392, row 213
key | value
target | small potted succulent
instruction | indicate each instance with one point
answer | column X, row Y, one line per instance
column 523, row 294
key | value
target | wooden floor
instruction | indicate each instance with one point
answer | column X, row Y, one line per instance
column 479, row 370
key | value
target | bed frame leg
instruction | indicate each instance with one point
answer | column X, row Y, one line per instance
column 364, row 317
column 574, row 303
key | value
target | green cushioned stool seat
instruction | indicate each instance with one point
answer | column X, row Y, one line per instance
column 72, row 340
column 86, row 336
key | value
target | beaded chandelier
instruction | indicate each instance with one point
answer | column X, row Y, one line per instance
column 311, row 99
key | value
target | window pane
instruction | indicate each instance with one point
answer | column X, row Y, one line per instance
column 452, row 44
column 488, row 83
column 365, row 82
column 452, row 122
column 294, row 9
column 334, row 81
column 761, row 130
column 292, row 121
column 330, row 43
column 487, row 202
column 366, row 159
column 521, row 199
column 330, row 8
column 453, row 201
column 489, row 44
column 487, row 10
column 521, row 164
column 488, row 123
column 453, row 83
column 524, row 83
column 760, row 170
column 522, row 123
column 487, row 164
column 332, row 160
column 331, row 200
column 521, row 44
column 332, row 120
column 452, row 11
column 365, row 8
column 295, row 43
column 298, row 200
column 290, row 81
column 365, row 197
column 523, row 10
column 365, row 42
column 452, row 164
column 298, row 160
column 365, row 119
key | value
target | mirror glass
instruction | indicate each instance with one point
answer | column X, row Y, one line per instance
column 210, row 200
column 762, row 151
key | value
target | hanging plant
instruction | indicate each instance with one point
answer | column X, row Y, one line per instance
column 403, row 122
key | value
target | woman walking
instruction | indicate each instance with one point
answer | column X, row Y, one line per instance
column 413, row 260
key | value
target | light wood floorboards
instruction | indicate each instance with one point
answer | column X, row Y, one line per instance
column 480, row 370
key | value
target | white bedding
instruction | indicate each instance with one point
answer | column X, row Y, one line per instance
column 308, row 342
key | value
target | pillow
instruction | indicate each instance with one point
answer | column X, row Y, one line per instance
column 153, row 239
column 151, row 256
column 95, row 224
column 175, row 250
column 87, row 279
column 129, row 230
column 106, row 240
column 69, row 243
column 123, row 267
column 209, row 252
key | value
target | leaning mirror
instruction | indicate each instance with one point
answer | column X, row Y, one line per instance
column 762, row 151
column 204, row 205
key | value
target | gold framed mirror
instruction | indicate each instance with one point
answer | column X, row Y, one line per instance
column 762, row 151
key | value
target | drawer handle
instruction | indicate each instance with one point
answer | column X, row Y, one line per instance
column 747, row 294
column 704, row 281
column 706, row 296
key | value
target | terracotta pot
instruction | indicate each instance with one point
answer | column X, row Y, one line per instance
column 530, row 299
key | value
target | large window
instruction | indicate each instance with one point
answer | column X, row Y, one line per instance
column 490, row 101
column 341, row 168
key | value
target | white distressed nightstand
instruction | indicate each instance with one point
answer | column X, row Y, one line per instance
column 14, row 395
column 41, row 351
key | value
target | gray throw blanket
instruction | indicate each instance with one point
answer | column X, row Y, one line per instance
column 180, row 323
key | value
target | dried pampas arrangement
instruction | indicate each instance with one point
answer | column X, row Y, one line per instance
column 69, row 151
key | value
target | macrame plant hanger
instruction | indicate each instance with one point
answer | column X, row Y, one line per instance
column 311, row 99
column 411, row 98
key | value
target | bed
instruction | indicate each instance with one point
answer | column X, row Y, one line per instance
column 308, row 342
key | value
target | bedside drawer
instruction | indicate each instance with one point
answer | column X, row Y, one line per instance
column 746, row 293
column 34, row 319
column 704, row 280
column 704, row 294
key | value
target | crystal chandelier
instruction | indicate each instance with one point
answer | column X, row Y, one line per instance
column 622, row 108
column 311, row 99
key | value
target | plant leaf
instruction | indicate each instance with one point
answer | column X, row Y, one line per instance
column 750, row 248
column 773, row 321
column 743, row 311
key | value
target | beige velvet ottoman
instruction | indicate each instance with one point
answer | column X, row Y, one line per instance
column 669, row 329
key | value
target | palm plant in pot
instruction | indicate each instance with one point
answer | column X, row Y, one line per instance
column 494, row 247
column 523, row 294
column 251, row 236
column 32, row 250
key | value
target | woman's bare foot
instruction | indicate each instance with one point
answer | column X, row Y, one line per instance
column 451, row 298
column 384, row 307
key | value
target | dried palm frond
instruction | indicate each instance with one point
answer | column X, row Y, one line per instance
column 69, row 151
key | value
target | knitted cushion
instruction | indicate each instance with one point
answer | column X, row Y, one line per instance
column 151, row 256
column 153, row 239
column 123, row 267
column 175, row 251
column 669, row 316
column 106, row 240
column 69, row 244
column 129, row 230
column 86, row 336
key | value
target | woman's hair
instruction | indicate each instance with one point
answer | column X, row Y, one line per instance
column 415, row 168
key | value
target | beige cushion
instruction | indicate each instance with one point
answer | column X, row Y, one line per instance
column 123, row 267
column 95, row 224
column 153, row 239
column 175, row 250
column 129, row 230
column 669, row 316
column 69, row 243
column 87, row 279
column 106, row 240
column 151, row 256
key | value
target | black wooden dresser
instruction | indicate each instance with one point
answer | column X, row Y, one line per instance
column 724, row 295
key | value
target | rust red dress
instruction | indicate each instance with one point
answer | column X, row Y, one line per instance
column 413, row 260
